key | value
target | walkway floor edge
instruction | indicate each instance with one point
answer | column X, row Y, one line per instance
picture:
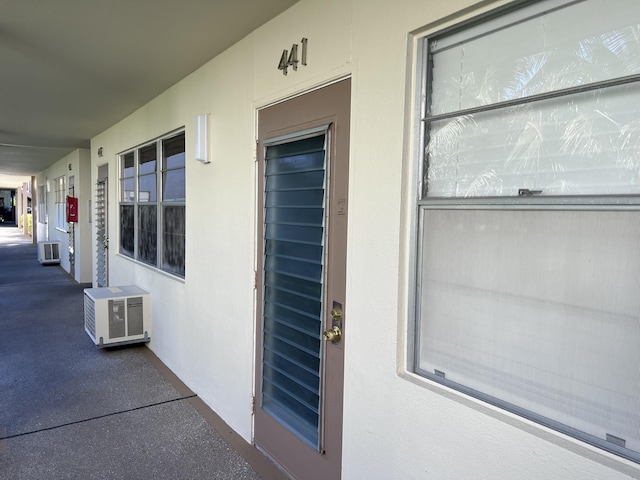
column 261, row 464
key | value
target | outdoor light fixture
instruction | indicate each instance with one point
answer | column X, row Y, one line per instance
column 202, row 138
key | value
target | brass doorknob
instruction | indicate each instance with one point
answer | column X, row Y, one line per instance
column 333, row 335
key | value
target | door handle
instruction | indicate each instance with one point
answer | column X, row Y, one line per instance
column 334, row 335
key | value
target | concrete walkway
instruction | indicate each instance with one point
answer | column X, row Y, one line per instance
column 69, row 410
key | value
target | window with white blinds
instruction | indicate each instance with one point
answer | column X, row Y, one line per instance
column 527, row 290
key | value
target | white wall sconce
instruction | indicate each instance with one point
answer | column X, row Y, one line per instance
column 202, row 138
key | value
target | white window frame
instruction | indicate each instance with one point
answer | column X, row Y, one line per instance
column 525, row 201
column 42, row 204
column 134, row 201
column 60, row 190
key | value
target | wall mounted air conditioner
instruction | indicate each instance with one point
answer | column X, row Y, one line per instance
column 48, row 252
column 117, row 315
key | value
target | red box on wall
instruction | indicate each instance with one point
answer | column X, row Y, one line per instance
column 72, row 209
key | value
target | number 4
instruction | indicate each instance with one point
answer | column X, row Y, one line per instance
column 284, row 65
column 290, row 59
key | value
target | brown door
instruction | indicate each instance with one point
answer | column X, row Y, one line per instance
column 303, row 156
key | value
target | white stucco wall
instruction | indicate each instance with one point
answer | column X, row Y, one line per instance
column 76, row 164
column 396, row 425
column 84, row 238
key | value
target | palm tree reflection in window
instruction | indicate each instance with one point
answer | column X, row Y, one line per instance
column 582, row 143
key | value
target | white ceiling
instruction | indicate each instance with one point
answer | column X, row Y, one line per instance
column 69, row 69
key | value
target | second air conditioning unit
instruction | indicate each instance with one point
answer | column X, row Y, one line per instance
column 48, row 252
column 117, row 315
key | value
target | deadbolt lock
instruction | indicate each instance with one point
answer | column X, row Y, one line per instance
column 333, row 335
column 336, row 314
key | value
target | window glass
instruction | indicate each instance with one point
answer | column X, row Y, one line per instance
column 576, row 143
column 173, row 184
column 530, row 302
column 173, row 179
column 127, row 232
column 128, row 165
column 148, row 234
column 148, row 159
column 539, row 310
column 173, row 151
column 147, row 185
column 585, row 144
column 127, row 179
column 61, row 202
column 542, row 54
column 173, row 253
column 128, row 190
column 142, row 232
column 42, row 204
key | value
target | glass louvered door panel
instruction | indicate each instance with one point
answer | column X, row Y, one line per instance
column 293, row 244
column 303, row 160
column 101, row 232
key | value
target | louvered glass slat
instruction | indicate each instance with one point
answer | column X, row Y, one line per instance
column 297, row 199
column 302, row 340
column 304, row 375
column 291, row 352
column 294, row 233
column 296, row 320
column 310, row 216
column 294, row 229
column 295, row 268
column 293, row 250
column 301, row 402
column 101, row 234
column 300, row 304
column 293, row 284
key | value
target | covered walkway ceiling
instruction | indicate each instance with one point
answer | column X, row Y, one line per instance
column 69, row 69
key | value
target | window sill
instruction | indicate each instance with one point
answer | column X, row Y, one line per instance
column 557, row 438
column 152, row 268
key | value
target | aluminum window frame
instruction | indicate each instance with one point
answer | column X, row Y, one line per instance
column 60, row 196
column 136, row 203
column 631, row 202
column 42, row 204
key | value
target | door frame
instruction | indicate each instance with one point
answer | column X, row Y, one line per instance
column 302, row 461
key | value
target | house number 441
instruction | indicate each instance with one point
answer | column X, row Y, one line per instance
column 290, row 58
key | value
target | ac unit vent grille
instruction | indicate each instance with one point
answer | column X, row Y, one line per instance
column 52, row 251
column 135, row 316
column 117, row 327
column 117, row 315
column 90, row 315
